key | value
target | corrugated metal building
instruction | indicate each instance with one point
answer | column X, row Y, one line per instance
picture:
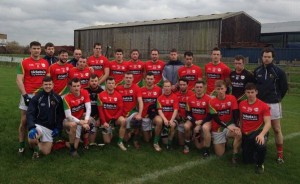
column 281, row 34
column 198, row 34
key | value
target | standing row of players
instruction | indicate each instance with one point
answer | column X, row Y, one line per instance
column 127, row 72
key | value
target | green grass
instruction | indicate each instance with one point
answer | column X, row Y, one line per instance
column 111, row 165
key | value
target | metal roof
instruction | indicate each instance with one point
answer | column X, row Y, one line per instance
column 281, row 27
column 168, row 21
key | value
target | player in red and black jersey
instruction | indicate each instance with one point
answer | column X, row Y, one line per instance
column 239, row 78
column 150, row 93
column 255, row 123
column 77, row 105
column 94, row 89
column 30, row 75
column 82, row 72
column 155, row 66
column 183, row 95
column 197, row 111
column 136, row 67
column 190, row 71
column 216, row 70
column 99, row 63
column 167, row 106
column 224, row 111
column 59, row 73
column 133, row 107
column 110, row 106
column 118, row 67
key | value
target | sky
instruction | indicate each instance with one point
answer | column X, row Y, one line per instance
column 55, row 20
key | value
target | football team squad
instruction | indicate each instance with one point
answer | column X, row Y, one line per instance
column 151, row 100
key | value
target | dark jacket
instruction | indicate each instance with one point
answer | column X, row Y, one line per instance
column 51, row 60
column 170, row 71
column 271, row 83
column 46, row 110
column 73, row 61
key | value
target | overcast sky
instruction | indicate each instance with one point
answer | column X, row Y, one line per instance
column 55, row 20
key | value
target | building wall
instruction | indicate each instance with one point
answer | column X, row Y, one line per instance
column 239, row 30
column 198, row 37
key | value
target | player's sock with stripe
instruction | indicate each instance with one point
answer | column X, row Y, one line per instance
column 36, row 149
column 156, row 139
column 279, row 148
column 120, row 140
column 22, row 144
column 86, row 141
column 72, row 148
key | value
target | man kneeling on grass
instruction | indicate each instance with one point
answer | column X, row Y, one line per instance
column 255, row 123
column 44, row 118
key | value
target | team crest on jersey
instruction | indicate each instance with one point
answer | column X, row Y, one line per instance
column 139, row 66
column 172, row 101
column 43, row 65
column 158, row 67
column 105, row 98
column 52, row 102
column 43, row 104
column 123, row 67
column 256, row 109
column 101, row 61
column 243, row 77
column 131, row 91
column 86, row 74
column 115, row 99
column 219, row 69
column 82, row 98
column 229, row 103
column 203, row 103
column 193, row 71
column 154, row 93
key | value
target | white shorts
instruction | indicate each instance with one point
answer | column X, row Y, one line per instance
column 93, row 122
column 220, row 137
column 78, row 128
column 146, row 124
column 276, row 111
column 180, row 127
column 22, row 105
column 45, row 133
column 129, row 119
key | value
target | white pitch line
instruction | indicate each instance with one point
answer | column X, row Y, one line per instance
column 187, row 165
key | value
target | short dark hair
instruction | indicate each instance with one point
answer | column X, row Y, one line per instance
column 250, row 86
column 239, row 57
column 200, row 82
column 62, row 51
column 267, row 50
column 97, row 44
column 110, row 78
column 188, row 53
column 35, row 43
column 183, row 79
column 216, row 49
column 47, row 79
column 119, row 50
column 134, row 50
column 49, row 44
column 173, row 50
column 75, row 80
column 94, row 76
column 154, row 50
column 150, row 74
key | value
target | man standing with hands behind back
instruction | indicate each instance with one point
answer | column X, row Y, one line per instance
column 272, row 86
